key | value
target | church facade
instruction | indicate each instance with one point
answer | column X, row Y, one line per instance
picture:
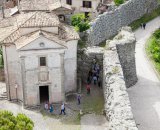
column 40, row 58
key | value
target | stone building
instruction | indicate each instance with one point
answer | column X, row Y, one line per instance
column 40, row 57
column 78, row 6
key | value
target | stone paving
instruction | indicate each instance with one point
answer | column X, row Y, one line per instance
column 145, row 95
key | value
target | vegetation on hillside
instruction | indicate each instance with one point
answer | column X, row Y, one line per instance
column 119, row 2
column 145, row 18
column 153, row 49
column 9, row 122
column 80, row 22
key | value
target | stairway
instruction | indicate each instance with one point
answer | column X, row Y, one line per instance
column 3, row 96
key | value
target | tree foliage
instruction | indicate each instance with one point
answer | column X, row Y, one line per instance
column 9, row 122
column 80, row 23
column 118, row 2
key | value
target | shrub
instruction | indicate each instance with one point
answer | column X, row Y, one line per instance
column 118, row 2
column 156, row 34
column 153, row 49
column 9, row 122
column 80, row 23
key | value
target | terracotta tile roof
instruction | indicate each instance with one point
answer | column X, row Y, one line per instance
column 11, row 34
column 42, row 19
column 59, row 4
column 35, row 5
column 67, row 32
column 24, row 40
column 5, row 32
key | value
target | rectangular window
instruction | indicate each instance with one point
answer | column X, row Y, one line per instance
column 87, row 4
column 69, row 2
column 42, row 61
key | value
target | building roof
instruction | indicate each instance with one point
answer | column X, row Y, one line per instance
column 41, row 19
column 59, row 4
column 10, row 27
column 35, row 5
column 26, row 39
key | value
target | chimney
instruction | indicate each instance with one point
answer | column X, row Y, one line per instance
column 3, row 15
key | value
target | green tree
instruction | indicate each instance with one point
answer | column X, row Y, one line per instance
column 9, row 122
column 80, row 23
column 118, row 2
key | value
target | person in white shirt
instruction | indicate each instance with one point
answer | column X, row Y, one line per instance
column 46, row 106
column 62, row 109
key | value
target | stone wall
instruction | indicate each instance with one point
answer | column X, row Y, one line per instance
column 108, row 24
column 126, row 52
column 116, row 64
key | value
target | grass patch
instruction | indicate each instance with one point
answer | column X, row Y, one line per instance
column 153, row 49
column 93, row 103
column 145, row 18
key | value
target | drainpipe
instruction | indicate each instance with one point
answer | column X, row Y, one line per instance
column 23, row 78
column 7, row 74
column 3, row 15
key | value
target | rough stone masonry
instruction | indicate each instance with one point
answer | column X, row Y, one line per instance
column 107, row 25
column 118, row 66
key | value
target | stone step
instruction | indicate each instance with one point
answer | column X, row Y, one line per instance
column 3, row 98
column 3, row 94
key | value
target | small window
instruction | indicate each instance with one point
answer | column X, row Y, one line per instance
column 42, row 61
column 87, row 4
column 69, row 2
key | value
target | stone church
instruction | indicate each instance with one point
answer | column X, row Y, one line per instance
column 40, row 57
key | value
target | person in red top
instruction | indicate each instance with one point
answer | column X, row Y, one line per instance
column 88, row 88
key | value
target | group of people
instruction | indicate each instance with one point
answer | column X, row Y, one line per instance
column 143, row 25
column 93, row 74
column 49, row 107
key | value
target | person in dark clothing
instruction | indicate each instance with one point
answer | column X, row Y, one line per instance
column 79, row 99
column 99, row 83
column 144, row 25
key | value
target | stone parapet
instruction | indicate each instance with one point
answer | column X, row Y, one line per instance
column 119, row 72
